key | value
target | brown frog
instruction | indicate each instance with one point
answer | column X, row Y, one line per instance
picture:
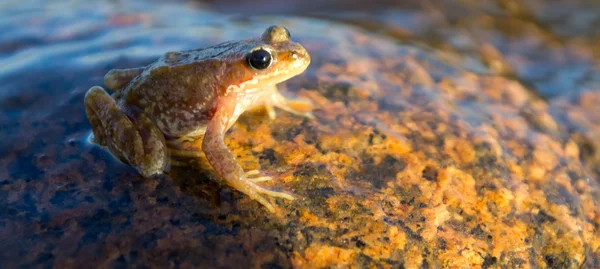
column 196, row 94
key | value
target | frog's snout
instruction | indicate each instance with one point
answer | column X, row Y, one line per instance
column 301, row 51
column 300, row 54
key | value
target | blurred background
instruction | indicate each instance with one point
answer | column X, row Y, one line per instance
column 527, row 40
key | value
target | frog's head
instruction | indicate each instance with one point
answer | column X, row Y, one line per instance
column 271, row 59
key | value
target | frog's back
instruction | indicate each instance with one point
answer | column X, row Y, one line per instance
column 180, row 89
column 218, row 52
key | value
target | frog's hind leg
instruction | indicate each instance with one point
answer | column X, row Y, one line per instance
column 133, row 139
column 116, row 79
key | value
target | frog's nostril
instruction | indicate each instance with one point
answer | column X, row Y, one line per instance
column 298, row 54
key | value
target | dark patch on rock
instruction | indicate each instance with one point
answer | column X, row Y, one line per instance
column 64, row 198
column 430, row 173
column 489, row 261
column 24, row 169
column 312, row 176
column 379, row 174
column 96, row 226
column 316, row 234
column 442, row 244
column 339, row 92
column 558, row 194
column 560, row 261
column 271, row 266
column 45, row 257
column 119, row 262
column 478, row 232
column 366, row 262
column 408, row 196
column 268, row 157
column 359, row 243
column 542, row 217
column 324, row 192
column 409, row 232
column 121, row 203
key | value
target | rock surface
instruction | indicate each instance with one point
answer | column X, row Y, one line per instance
column 413, row 160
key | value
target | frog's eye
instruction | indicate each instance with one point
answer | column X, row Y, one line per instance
column 259, row 59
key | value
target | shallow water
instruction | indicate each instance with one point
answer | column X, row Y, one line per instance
column 426, row 150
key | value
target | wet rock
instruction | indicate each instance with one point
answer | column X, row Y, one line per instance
column 412, row 161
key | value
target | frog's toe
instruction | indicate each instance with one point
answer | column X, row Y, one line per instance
column 296, row 107
column 276, row 194
column 254, row 176
column 299, row 113
column 259, row 193
column 271, row 111
column 260, row 179
column 308, row 115
column 254, row 172
column 261, row 200
column 300, row 105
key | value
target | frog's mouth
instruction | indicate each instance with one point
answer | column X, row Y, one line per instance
column 289, row 64
column 278, row 75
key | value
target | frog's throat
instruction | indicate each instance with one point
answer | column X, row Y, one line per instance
column 263, row 81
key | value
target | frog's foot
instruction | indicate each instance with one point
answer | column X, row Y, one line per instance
column 122, row 134
column 257, row 193
column 253, row 175
column 296, row 107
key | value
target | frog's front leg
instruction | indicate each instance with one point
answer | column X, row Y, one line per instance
column 276, row 99
column 131, row 137
column 223, row 161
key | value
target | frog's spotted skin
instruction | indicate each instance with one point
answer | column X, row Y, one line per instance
column 188, row 94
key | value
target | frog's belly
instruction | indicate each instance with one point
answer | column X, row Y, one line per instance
column 183, row 122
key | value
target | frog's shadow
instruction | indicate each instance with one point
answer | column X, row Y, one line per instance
column 215, row 198
column 197, row 181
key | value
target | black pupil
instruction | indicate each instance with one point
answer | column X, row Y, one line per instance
column 259, row 59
